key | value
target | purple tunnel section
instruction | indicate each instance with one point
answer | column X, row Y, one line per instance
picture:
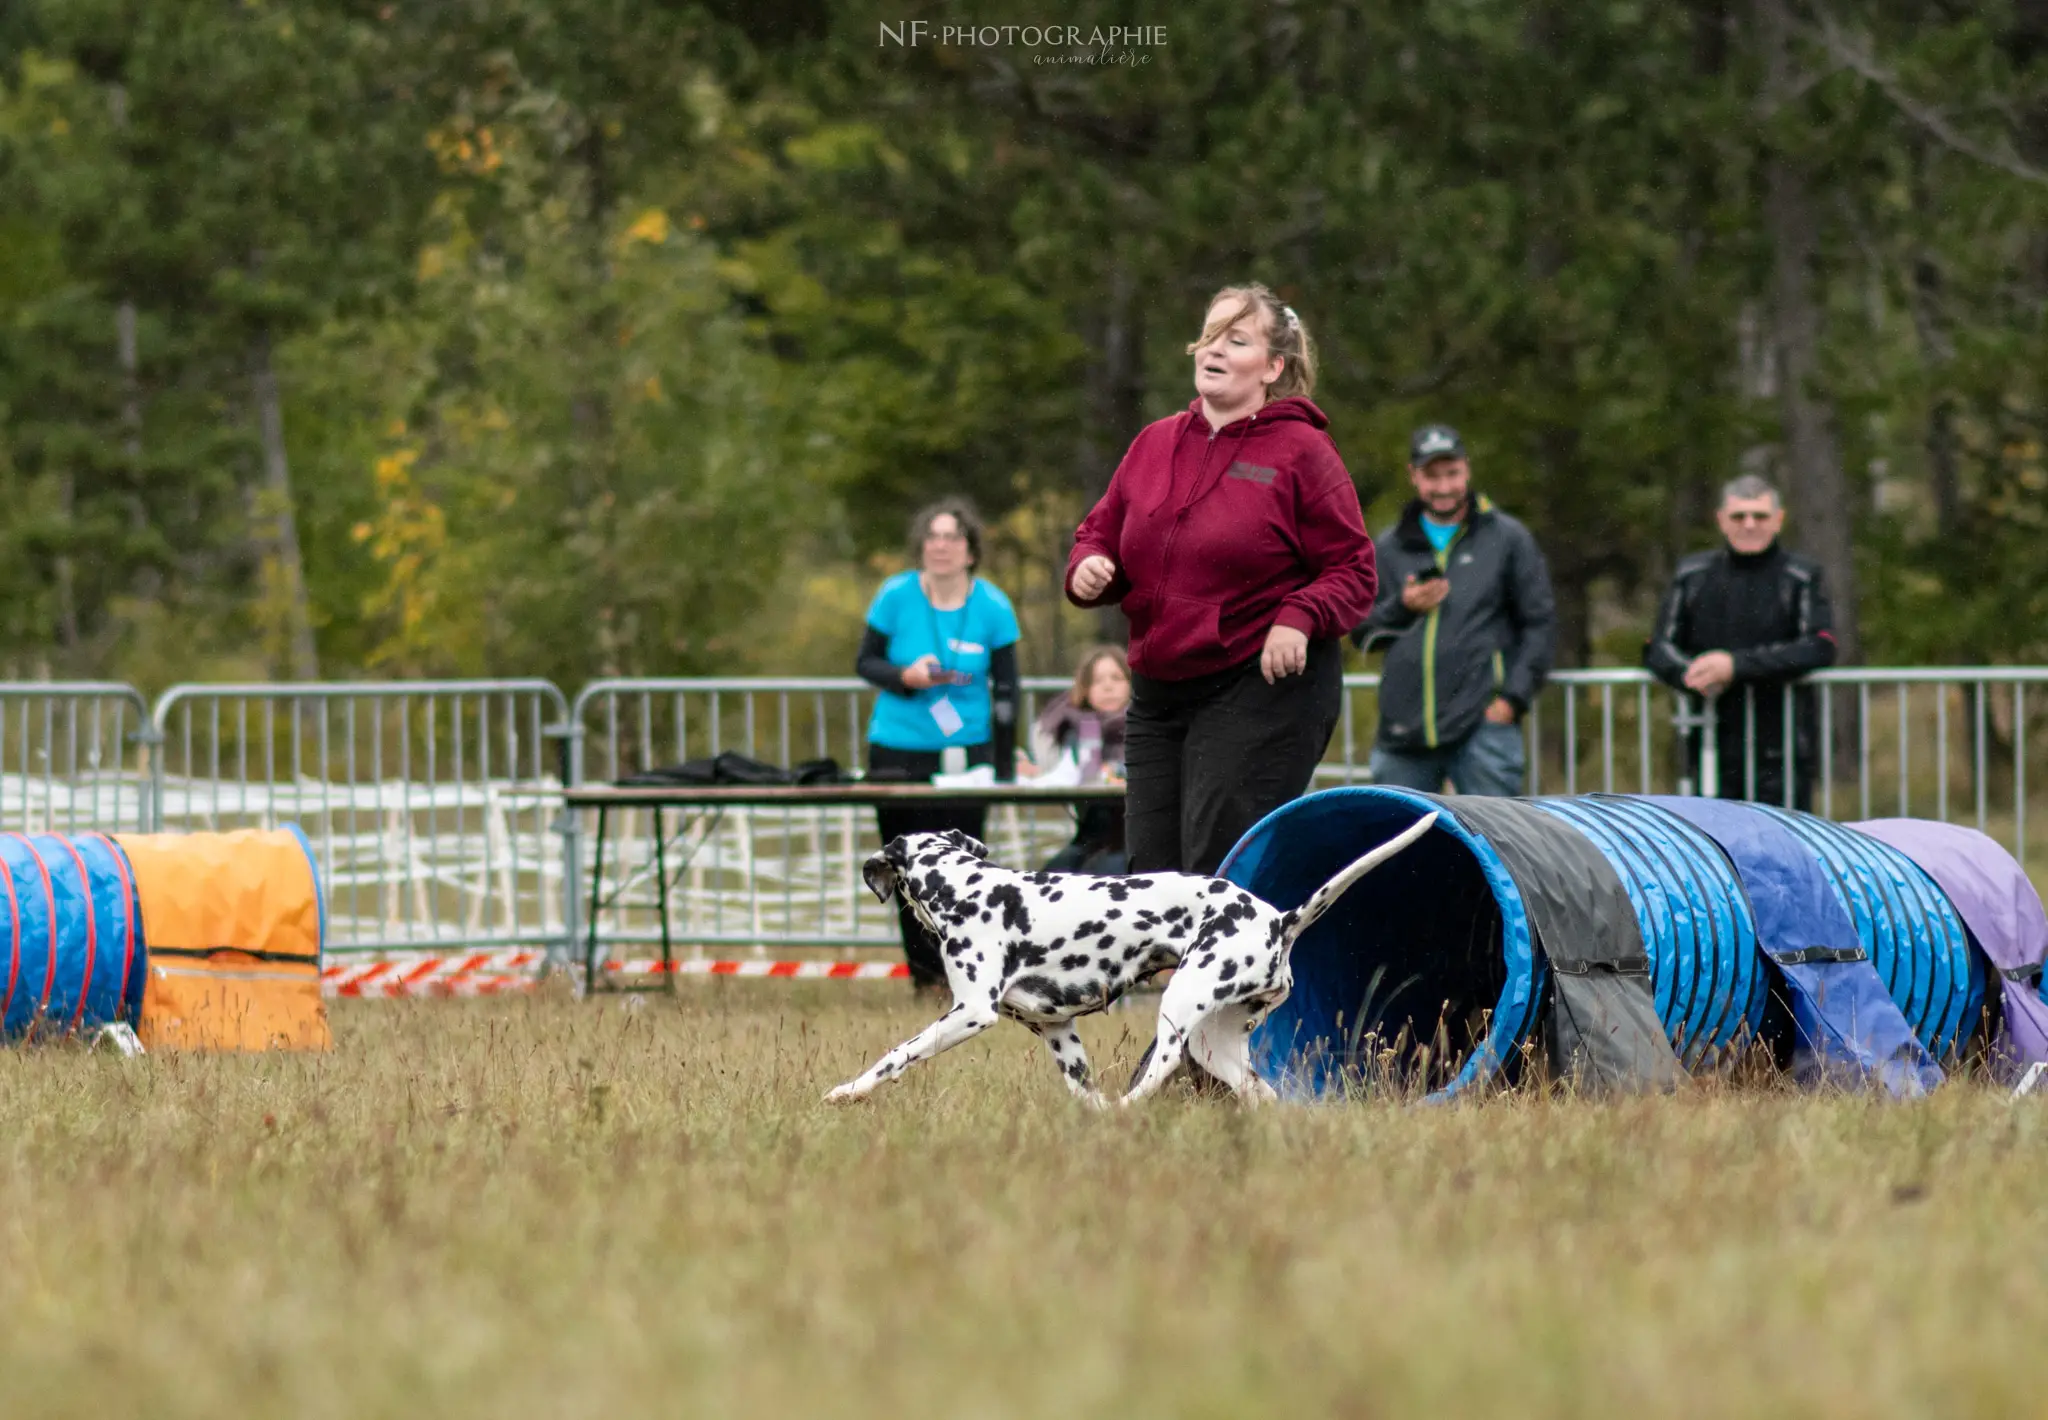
column 2000, row 908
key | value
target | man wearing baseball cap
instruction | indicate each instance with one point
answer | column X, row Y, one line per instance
column 1467, row 619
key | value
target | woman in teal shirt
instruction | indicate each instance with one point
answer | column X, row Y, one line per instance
column 941, row 646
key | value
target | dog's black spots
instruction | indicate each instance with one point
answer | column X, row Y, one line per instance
column 1118, row 890
column 1011, row 901
column 1206, row 960
column 1131, row 953
column 1056, row 1045
column 1113, row 914
column 1021, row 956
column 1219, row 886
column 1107, row 944
column 974, row 879
column 1088, row 928
column 1074, row 962
column 1077, row 1070
column 1053, row 896
column 1224, row 993
column 967, row 970
column 1229, row 971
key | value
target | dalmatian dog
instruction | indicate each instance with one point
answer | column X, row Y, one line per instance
column 1045, row 948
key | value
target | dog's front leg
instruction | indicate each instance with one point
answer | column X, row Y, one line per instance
column 965, row 1021
column 1065, row 1044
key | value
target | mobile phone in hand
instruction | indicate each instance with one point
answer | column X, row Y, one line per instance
column 1429, row 574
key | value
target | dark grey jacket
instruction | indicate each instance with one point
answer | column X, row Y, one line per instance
column 1494, row 634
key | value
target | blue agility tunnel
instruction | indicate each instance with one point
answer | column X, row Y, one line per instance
column 1619, row 935
column 71, row 946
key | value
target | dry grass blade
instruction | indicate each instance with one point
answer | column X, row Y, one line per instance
column 546, row 1207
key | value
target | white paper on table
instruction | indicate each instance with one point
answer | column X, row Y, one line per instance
column 982, row 776
column 1065, row 773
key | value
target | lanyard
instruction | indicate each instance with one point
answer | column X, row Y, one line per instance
column 939, row 644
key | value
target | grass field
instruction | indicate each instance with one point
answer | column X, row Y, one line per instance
column 551, row 1208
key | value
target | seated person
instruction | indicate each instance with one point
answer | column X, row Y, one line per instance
column 1086, row 723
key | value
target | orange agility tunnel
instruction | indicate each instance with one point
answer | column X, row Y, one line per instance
column 208, row 941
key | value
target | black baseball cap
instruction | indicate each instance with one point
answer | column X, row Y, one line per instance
column 1434, row 441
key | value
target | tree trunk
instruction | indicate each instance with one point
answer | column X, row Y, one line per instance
column 66, row 573
column 277, row 487
column 1817, row 490
column 1116, row 407
column 1944, row 480
column 1937, row 350
column 147, row 581
column 1567, row 547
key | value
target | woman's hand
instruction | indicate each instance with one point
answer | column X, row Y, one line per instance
column 918, row 674
column 1093, row 576
column 1286, row 653
column 1025, row 768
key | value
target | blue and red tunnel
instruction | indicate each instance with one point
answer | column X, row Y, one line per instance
column 76, row 918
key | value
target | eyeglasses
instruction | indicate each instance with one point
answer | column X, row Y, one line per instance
column 936, row 536
column 1749, row 517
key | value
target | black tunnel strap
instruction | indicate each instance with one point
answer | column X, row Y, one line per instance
column 210, row 952
column 2025, row 975
column 1619, row 966
column 1819, row 956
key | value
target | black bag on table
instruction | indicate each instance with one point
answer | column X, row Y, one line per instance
column 733, row 769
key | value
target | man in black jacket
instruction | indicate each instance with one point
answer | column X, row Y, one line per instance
column 1466, row 615
column 1737, row 626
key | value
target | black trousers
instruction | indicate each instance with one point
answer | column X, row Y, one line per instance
column 920, row 947
column 1207, row 758
column 1733, row 782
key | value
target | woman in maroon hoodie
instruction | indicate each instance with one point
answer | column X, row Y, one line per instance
column 1233, row 538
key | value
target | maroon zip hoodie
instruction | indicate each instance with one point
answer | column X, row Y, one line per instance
column 1219, row 536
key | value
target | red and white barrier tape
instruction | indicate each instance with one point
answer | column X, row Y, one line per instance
column 496, row 972
column 804, row 970
column 423, row 974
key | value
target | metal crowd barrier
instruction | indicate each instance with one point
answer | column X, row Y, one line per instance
column 73, row 757
column 790, row 877
column 750, row 877
column 434, row 806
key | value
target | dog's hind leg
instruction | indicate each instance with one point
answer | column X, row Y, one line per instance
column 1065, row 1044
column 965, row 1021
column 1193, row 998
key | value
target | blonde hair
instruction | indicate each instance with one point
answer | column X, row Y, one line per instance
column 1286, row 336
column 1084, row 674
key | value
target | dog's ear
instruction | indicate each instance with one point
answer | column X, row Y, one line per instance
column 880, row 875
column 967, row 843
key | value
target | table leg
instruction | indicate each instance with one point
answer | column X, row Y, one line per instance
column 668, row 964
column 596, row 897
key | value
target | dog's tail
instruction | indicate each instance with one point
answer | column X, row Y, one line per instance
column 1304, row 916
